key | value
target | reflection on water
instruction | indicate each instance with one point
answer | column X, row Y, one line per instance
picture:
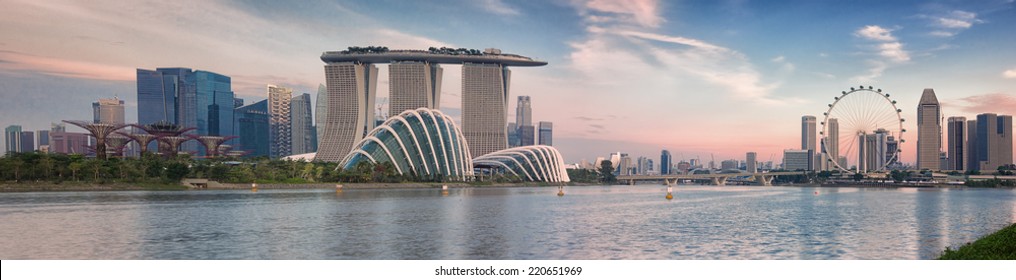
column 599, row 222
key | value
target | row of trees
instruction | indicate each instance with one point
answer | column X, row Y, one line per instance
column 43, row 167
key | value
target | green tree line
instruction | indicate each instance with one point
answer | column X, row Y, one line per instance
column 57, row 168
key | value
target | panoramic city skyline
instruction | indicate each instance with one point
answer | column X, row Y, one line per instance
column 697, row 79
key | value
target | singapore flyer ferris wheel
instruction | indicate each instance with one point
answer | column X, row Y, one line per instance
column 862, row 131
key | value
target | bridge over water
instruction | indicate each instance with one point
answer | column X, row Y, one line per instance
column 718, row 179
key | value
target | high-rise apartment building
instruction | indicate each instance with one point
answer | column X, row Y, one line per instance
column 350, row 114
column 320, row 113
column 993, row 141
column 728, row 164
column 12, row 139
column 546, row 133
column 750, row 162
column 412, row 85
column 108, row 111
column 484, row 107
column 253, row 128
column 956, row 136
column 303, row 132
column 665, row 162
column 929, row 131
column 808, row 134
column 280, row 127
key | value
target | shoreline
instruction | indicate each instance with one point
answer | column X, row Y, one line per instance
column 81, row 186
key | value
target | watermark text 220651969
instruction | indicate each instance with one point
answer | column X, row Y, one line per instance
column 532, row 270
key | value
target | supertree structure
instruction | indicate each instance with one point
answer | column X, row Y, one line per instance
column 167, row 134
column 212, row 143
column 117, row 143
column 100, row 131
column 143, row 139
column 171, row 145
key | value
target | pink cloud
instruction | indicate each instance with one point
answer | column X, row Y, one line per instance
column 642, row 12
column 65, row 67
column 1000, row 103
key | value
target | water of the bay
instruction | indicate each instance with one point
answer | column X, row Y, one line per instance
column 596, row 222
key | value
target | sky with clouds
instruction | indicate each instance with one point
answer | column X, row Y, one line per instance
column 699, row 78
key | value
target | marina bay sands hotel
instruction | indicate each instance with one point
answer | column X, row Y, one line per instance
column 415, row 82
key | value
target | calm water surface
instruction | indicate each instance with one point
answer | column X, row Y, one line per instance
column 599, row 222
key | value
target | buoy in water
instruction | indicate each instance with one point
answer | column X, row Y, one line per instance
column 560, row 191
column 254, row 187
column 816, row 192
column 670, row 196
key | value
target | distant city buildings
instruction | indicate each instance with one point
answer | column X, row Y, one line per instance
column 27, row 141
column 252, row 124
column 279, row 123
column 957, row 149
column 808, row 134
column 665, row 162
column 751, row 163
column 108, row 111
column 992, row 142
column 304, row 136
column 729, row 164
column 12, row 139
column 187, row 98
column 794, row 160
column 929, row 131
column 547, row 134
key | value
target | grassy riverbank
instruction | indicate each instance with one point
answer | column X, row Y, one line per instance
column 85, row 186
column 1000, row 245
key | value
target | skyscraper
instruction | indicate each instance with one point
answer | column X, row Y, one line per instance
column 303, row 133
column 972, row 161
column 320, row 113
column 524, row 111
column 665, row 163
column 546, row 133
column 872, row 150
column 513, row 135
column 199, row 99
column 750, row 162
column 27, row 141
column 253, row 129
column 957, row 131
column 929, row 131
column 43, row 138
column 412, row 85
column 12, row 137
column 832, row 142
column 808, row 130
column 108, row 111
column 279, row 122
column 994, row 141
column 350, row 113
column 524, row 120
column 215, row 104
column 484, row 107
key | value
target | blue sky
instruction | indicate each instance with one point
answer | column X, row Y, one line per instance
column 695, row 77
